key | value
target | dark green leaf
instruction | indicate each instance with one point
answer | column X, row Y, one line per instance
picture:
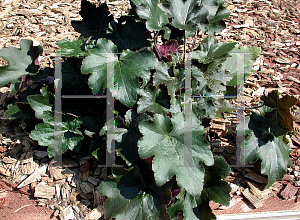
column 183, row 12
column 153, row 100
column 19, row 61
column 216, row 13
column 211, row 49
column 127, row 68
column 162, row 76
column 153, row 13
column 40, row 103
column 94, row 20
column 45, row 134
column 167, row 135
column 130, row 198
column 71, row 48
column 128, row 34
column 127, row 135
column 274, row 153
column 188, row 204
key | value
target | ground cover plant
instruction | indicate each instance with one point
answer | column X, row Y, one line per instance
column 163, row 173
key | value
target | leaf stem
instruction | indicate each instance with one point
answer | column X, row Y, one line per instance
column 194, row 40
column 155, row 46
column 184, row 48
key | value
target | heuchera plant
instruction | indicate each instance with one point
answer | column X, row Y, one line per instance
column 156, row 180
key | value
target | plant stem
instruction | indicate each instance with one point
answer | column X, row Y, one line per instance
column 155, row 46
column 194, row 40
column 184, row 48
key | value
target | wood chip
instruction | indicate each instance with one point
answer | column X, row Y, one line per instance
column 293, row 79
column 93, row 181
column 282, row 60
column 257, row 178
column 36, row 174
column 255, row 191
column 289, row 191
column 67, row 213
column 96, row 213
column 44, row 191
column 56, row 173
column 256, row 202
column 85, row 187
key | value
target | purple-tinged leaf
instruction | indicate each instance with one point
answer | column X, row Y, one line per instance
column 175, row 190
column 46, row 81
column 168, row 48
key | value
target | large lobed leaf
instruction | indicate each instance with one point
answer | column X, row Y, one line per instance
column 260, row 143
column 186, row 15
column 128, row 34
column 183, row 12
column 280, row 120
column 164, row 138
column 196, row 207
column 129, row 197
column 19, row 61
column 94, row 20
column 127, row 69
column 152, row 12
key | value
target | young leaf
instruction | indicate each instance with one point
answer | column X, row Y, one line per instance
column 210, row 16
column 127, row 68
column 273, row 151
column 19, row 61
column 94, row 20
column 128, row 34
column 215, row 78
column 167, row 135
column 71, row 48
column 130, row 198
column 279, row 120
column 162, row 76
column 153, row 12
column 168, row 48
column 13, row 112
